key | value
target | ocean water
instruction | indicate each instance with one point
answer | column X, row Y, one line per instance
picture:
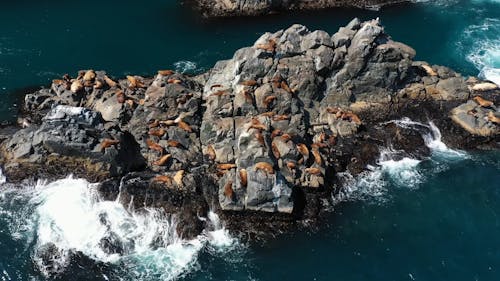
column 431, row 219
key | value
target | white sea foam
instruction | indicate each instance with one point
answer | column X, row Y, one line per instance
column 67, row 216
column 3, row 179
column 481, row 44
column 395, row 168
column 185, row 66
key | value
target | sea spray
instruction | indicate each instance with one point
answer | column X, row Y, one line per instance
column 395, row 169
column 67, row 218
column 480, row 43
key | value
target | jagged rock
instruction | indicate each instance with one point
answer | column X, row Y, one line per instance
column 259, row 138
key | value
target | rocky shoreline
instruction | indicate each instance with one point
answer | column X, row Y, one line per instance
column 233, row 8
column 259, row 138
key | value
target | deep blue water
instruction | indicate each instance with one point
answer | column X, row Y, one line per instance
column 437, row 220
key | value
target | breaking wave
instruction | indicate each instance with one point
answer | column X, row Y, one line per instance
column 66, row 218
column 393, row 169
column 185, row 66
column 481, row 43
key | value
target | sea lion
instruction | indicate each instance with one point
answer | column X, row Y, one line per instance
column 266, row 167
column 173, row 143
column 483, row 87
column 109, row 81
column 120, row 96
column 248, row 96
column 333, row 110
column 256, row 124
column 58, row 82
column 167, row 122
column 130, row 103
column 249, row 83
column 211, row 152
column 183, row 125
column 154, row 146
column 286, row 137
column 268, row 100
column 165, row 72
column 351, row 117
column 89, row 76
column 313, row 171
column 317, row 156
column 134, row 82
column 158, row 133
column 108, row 143
column 493, row 118
column 275, row 151
column 154, row 123
column 163, row 179
column 178, row 177
column 428, row 70
column 226, row 166
column 174, row 81
column 275, row 133
column 260, row 138
column 184, row 98
column 162, row 160
column 302, row 148
column 483, row 102
column 76, row 86
column 281, row 117
column 269, row 47
column 228, row 190
column 243, row 177
column 284, row 86
column 268, row 114
column 291, row 165
column 98, row 84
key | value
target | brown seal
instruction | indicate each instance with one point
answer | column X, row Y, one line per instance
column 178, row 177
column 270, row 46
column 228, row 190
column 173, row 143
column 313, row 171
column 264, row 166
column 154, row 146
column 211, row 152
column 163, row 179
column 483, row 102
column 110, row 81
column 226, row 166
column 162, row 160
column 158, row 133
column 493, row 118
column 183, row 125
column 166, row 72
column 108, row 143
column 243, row 177
column 249, row 83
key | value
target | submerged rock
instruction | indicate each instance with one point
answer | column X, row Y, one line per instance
column 260, row 138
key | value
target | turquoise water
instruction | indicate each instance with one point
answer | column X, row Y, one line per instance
column 431, row 220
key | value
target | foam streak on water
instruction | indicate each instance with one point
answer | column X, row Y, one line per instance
column 67, row 216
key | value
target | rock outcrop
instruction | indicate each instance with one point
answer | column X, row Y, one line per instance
column 231, row 8
column 261, row 137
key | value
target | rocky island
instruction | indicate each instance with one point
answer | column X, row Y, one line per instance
column 259, row 138
column 231, row 8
